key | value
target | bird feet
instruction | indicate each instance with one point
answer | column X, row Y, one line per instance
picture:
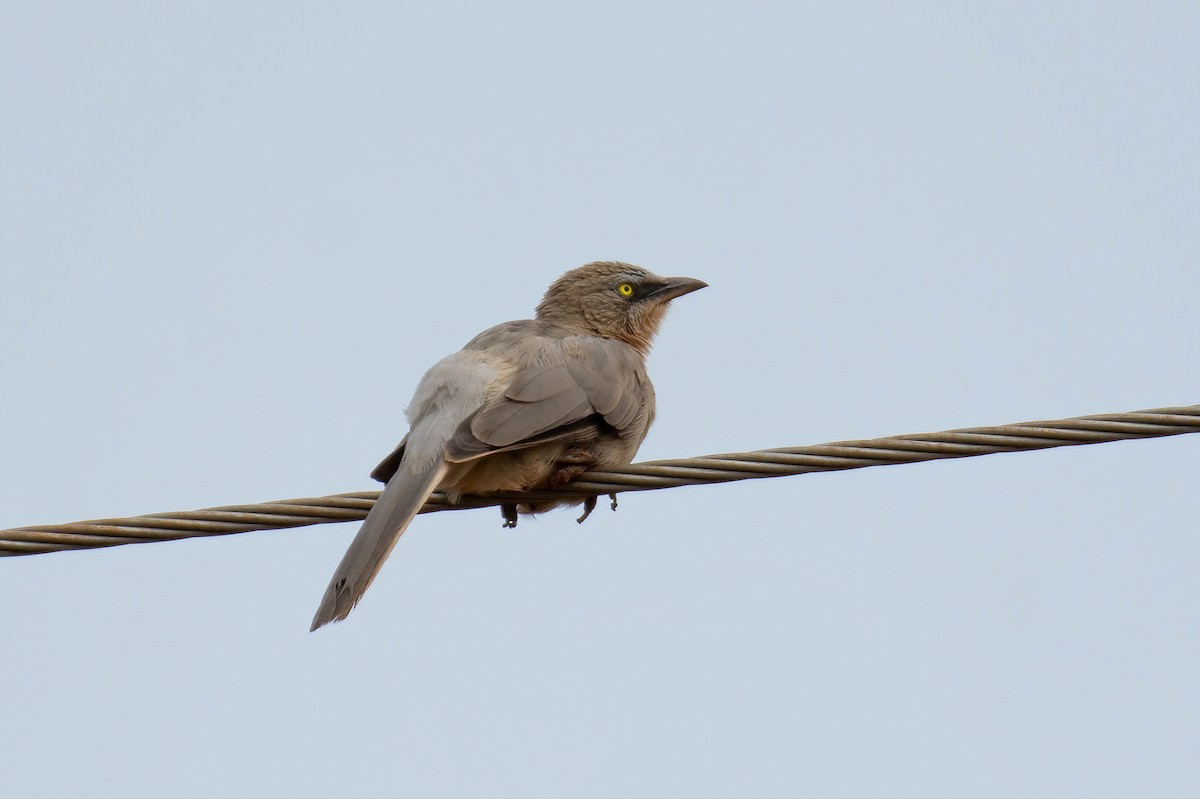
column 509, row 511
column 589, row 505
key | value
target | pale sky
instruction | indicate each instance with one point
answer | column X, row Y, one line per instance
column 233, row 237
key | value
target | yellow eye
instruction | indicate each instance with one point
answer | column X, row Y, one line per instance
column 626, row 289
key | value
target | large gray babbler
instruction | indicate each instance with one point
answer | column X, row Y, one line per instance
column 525, row 405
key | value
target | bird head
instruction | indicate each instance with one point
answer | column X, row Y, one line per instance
column 614, row 300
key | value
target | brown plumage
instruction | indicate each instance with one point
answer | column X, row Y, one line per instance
column 524, row 405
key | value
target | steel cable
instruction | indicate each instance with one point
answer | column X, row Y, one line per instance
column 646, row 476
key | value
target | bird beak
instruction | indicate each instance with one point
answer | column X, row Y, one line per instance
column 673, row 287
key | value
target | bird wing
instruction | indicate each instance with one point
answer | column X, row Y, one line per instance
column 585, row 385
column 389, row 465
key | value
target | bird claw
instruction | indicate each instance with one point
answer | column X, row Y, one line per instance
column 509, row 512
column 589, row 505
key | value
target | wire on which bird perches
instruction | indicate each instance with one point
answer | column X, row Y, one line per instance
column 646, row 476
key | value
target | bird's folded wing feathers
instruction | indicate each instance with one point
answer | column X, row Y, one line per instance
column 613, row 381
column 595, row 382
column 389, row 465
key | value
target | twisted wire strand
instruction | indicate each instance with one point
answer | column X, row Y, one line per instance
column 722, row 468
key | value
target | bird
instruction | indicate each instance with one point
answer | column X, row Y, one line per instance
column 528, row 404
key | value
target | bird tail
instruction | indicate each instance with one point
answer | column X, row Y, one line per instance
column 400, row 501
